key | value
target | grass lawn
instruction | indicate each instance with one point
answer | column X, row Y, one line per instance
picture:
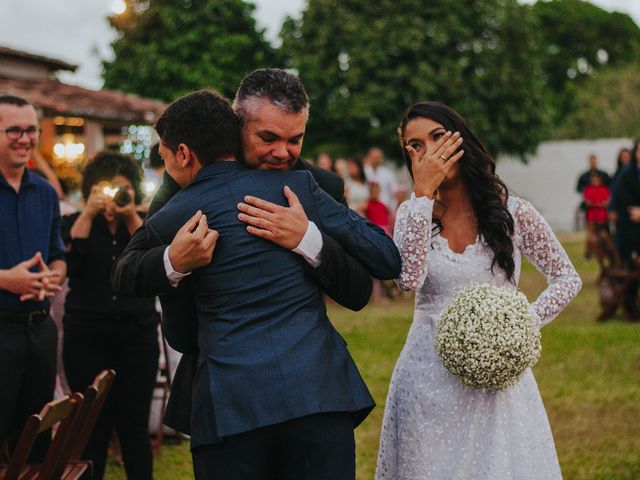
column 589, row 377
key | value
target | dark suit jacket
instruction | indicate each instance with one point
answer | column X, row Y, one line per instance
column 628, row 194
column 140, row 269
column 268, row 352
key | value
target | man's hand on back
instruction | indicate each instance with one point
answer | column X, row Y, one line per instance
column 284, row 226
column 193, row 245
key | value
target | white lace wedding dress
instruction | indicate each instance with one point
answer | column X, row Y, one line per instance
column 433, row 428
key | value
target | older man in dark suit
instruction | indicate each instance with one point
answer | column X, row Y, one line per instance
column 274, row 144
column 276, row 394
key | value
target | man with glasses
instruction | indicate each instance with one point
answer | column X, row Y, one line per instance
column 32, row 267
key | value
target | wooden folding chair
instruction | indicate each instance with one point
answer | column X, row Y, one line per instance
column 616, row 282
column 63, row 411
column 94, row 397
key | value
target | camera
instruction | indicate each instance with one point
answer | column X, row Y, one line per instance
column 122, row 197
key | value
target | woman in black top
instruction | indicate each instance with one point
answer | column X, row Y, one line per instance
column 628, row 227
column 103, row 330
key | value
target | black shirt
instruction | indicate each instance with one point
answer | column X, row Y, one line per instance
column 91, row 297
column 585, row 179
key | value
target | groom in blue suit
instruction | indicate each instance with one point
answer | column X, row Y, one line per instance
column 276, row 393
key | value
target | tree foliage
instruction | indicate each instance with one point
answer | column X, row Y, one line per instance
column 167, row 48
column 364, row 63
column 577, row 39
column 606, row 106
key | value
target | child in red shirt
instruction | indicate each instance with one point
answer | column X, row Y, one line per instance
column 596, row 197
column 377, row 212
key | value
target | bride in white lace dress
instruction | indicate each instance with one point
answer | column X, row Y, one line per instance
column 433, row 427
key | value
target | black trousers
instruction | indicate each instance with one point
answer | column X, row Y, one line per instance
column 132, row 351
column 27, row 379
column 315, row 447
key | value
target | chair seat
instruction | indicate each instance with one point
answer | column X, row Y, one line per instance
column 76, row 469
column 72, row 471
column 28, row 472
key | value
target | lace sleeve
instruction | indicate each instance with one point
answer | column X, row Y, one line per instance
column 412, row 235
column 540, row 246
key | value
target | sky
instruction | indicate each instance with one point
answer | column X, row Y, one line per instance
column 77, row 31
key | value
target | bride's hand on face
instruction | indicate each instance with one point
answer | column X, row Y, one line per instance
column 432, row 164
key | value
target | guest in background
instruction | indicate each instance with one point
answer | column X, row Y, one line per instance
column 627, row 203
column 376, row 171
column 622, row 164
column 31, row 268
column 596, row 198
column 103, row 330
column 585, row 178
column 377, row 212
column 400, row 195
column 356, row 186
column 326, row 162
column 341, row 167
column 628, row 234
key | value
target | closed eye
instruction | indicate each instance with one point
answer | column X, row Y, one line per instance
column 268, row 138
column 417, row 146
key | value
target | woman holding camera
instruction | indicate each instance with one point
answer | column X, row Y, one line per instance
column 101, row 329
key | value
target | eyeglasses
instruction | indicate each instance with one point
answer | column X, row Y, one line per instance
column 15, row 133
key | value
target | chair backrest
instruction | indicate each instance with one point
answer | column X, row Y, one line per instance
column 95, row 396
column 64, row 411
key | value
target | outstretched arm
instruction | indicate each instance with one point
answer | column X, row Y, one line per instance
column 371, row 247
column 339, row 275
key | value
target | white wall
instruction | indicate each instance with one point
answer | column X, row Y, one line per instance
column 549, row 180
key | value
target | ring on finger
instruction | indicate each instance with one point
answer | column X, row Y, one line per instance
column 444, row 158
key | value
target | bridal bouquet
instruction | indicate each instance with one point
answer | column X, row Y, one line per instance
column 488, row 337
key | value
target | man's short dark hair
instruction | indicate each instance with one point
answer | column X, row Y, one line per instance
column 155, row 160
column 205, row 122
column 282, row 88
column 13, row 100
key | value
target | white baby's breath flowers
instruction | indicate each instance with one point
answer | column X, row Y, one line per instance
column 488, row 337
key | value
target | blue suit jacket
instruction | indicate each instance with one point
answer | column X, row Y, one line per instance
column 268, row 352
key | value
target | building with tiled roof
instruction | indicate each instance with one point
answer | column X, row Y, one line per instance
column 75, row 121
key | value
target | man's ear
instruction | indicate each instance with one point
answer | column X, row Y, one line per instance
column 185, row 156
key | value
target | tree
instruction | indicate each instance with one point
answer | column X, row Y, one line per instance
column 606, row 106
column 364, row 63
column 578, row 38
column 168, row 48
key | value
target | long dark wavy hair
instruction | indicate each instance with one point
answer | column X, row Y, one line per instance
column 488, row 193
